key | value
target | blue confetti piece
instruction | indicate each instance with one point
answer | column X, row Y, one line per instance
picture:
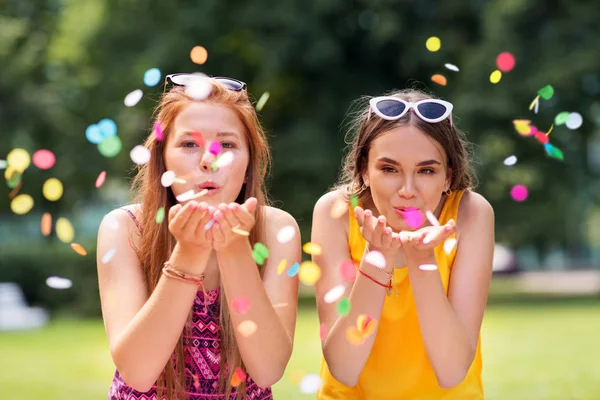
column 108, row 256
column 152, row 77
column 93, row 133
column 108, row 128
column 294, row 269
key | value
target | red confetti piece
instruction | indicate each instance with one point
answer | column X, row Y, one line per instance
column 505, row 61
column 323, row 331
column 542, row 137
column 43, row 159
column 199, row 139
column 101, row 178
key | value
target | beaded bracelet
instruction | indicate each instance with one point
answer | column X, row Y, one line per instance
column 171, row 272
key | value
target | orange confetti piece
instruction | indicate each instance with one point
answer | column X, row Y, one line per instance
column 14, row 192
column 247, row 328
column 46, row 224
column 199, row 55
column 79, row 249
column 354, row 336
column 439, row 79
column 312, row 249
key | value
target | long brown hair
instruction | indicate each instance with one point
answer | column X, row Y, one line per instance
column 157, row 243
column 365, row 127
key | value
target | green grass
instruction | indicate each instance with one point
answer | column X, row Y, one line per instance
column 531, row 351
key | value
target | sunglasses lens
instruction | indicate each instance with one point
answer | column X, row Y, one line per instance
column 432, row 110
column 390, row 108
column 232, row 84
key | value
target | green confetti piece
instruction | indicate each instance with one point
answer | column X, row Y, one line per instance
column 261, row 250
column 110, row 147
column 561, row 118
column 553, row 151
column 214, row 165
column 354, row 201
column 262, row 101
column 257, row 257
column 160, row 215
column 14, row 179
column 546, row 92
column 343, row 307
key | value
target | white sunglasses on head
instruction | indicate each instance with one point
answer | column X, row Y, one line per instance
column 429, row 110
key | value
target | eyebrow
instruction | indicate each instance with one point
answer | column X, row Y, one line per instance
column 219, row 134
column 419, row 164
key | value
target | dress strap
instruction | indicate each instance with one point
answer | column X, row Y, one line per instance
column 133, row 217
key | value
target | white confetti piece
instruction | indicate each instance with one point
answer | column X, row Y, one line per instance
column 451, row 67
column 198, row 87
column 449, row 245
column 111, row 222
column 224, row 159
column 334, row 294
column 133, row 98
column 186, row 195
column 575, row 120
column 376, row 259
column 56, row 282
column 140, row 155
column 286, row 234
column 209, row 224
column 310, row 384
column 167, row 178
column 428, row 267
column 510, row 161
column 432, row 219
column 108, row 256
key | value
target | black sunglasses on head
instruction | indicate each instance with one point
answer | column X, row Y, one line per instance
column 183, row 79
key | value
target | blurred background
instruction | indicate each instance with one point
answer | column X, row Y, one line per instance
column 69, row 64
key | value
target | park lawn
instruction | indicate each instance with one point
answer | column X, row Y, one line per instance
column 531, row 351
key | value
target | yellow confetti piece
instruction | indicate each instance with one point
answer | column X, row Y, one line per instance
column 281, row 266
column 495, row 76
column 239, row 231
column 534, row 102
column 79, row 249
column 64, row 230
column 247, row 328
column 439, row 79
column 312, row 249
column 19, row 159
column 262, row 101
column 365, row 325
column 52, row 189
column 21, row 204
column 309, row 273
column 354, row 336
column 338, row 209
column 433, row 44
column 522, row 126
column 46, row 224
column 550, row 130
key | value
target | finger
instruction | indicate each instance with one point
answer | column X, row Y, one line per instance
column 359, row 213
column 173, row 211
column 200, row 232
column 404, row 237
column 379, row 225
column 367, row 226
column 217, row 232
column 193, row 220
column 250, row 205
column 181, row 217
column 244, row 217
column 387, row 236
column 232, row 215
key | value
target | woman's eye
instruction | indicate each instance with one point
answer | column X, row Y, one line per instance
column 227, row 145
column 427, row 171
column 189, row 144
column 387, row 169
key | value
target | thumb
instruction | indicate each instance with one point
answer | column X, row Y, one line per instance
column 173, row 211
column 360, row 215
column 251, row 204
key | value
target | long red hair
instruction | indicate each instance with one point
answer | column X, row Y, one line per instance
column 157, row 243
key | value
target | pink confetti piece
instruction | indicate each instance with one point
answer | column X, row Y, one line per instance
column 323, row 331
column 413, row 218
column 215, row 147
column 43, row 159
column 241, row 305
column 505, row 61
column 348, row 270
column 158, row 130
column 519, row 193
column 100, row 180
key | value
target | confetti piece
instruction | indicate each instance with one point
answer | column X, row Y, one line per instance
column 449, row 245
column 13, row 177
column 19, row 159
column 546, row 92
column 433, row 44
column 3, row 164
column 199, row 194
column 309, row 273
column 439, row 79
column 215, row 147
column 262, row 101
column 495, row 76
column 534, row 103
column 505, row 61
column 310, row 384
column 59, row 283
column 240, row 231
column 281, row 266
column 428, row 267
column 366, row 324
column 542, row 137
column 343, row 307
column 338, row 209
column 451, row 67
column 348, row 270
column 79, row 249
column 160, row 215
column 312, row 249
column 108, row 128
column 110, row 146
column 510, row 161
column 575, row 120
column 185, row 196
column 43, row 159
column 110, row 221
column 431, row 218
column 198, row 55
column 133, row 98
column 140, row 155
column 247, row 328
column 167, row 178
column 334, row 294
column 261, row 249
column 64, row 230
column 286, row 234
column 198, row 138
column 93, row 134
column 322, row 331
column 210, row 224
column 199, row 88
column 413, row 218
column 376, row 259
column 354, row 201
column 100, row 179
column 15, row 191
column 52, row 189
column 238, row 377
column 294, row 269
column 109, row 255
column 46, row 224
column 553, row 151
column 354, row 336
column 561, row 118
column 21, row 204
column 519, row 192
column 240, row 305
column 280, row 305
column 523, row 127
column 152, row 77
column 158, row 131
column 224, row 159
column 182, row 181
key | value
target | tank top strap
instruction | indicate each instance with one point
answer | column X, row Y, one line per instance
column 134, row 218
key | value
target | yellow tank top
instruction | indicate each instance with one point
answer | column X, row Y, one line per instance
column 398, row 367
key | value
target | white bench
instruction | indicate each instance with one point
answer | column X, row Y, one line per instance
column 15, row 314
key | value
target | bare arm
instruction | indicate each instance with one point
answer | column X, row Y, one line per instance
column 142, row 329
column 345, row 360
column 273, row 298
column 458, row 315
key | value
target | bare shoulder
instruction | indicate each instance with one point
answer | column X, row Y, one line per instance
column 278, row 218
column 119, row 224
column 474, row 211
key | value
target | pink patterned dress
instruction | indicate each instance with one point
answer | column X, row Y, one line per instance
column 202, row 357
